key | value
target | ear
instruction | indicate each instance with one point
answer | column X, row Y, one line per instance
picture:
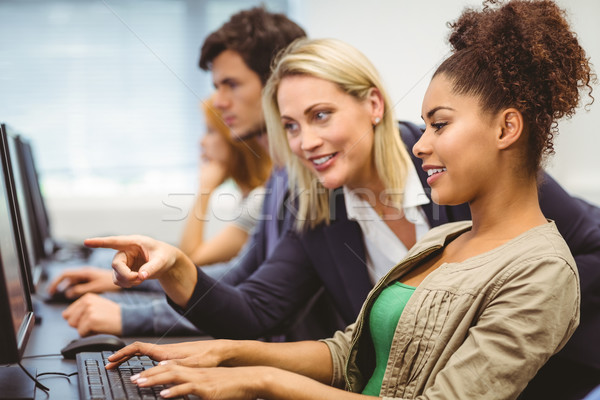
column 511, row 128
column 374, row 102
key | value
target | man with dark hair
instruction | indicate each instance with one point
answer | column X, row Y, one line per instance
column 239, row 55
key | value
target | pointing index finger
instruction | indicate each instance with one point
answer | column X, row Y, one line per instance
column 111, row 242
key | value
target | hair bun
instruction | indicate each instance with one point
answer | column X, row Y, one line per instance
column 528, row 51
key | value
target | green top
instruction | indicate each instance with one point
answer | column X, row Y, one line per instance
column 383, row 319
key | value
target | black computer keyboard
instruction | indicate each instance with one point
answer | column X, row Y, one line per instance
column 95, row 382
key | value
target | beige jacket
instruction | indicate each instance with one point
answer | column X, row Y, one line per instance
column 479, row 329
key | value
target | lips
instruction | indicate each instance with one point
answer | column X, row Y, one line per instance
column 434, row 173
column 321, row 163
column 321, row 160
column 228, row 120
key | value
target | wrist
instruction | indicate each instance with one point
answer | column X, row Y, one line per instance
column 231, row 353
column 180, row 279
column 268, row 383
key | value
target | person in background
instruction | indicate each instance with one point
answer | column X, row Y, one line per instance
column 238, row 55
column 503, row 287
column 248, row 164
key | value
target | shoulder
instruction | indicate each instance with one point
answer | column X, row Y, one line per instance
column 255, row 198
column 438, row 235
column 543, row 241
column 538, row 258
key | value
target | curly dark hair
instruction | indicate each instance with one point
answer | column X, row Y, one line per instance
column 522, row 54
column 256, row 34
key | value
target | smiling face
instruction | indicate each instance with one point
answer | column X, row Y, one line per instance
column 330, row 131
column 458, row 146
column 238, row 94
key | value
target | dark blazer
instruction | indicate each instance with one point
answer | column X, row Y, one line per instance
column 333, row 256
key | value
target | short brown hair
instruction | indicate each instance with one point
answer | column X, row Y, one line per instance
column 256, row 34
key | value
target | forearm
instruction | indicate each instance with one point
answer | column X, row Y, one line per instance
column 277, row 384
column 308, row 358
column 193, row 234
column 259, row 304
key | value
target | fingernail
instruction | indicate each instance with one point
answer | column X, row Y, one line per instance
column 163, row 363
column 144, row 274
column 141, row 380
column 165, row 393
column 134, row 377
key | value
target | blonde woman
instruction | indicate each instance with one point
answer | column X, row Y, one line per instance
column 356, row 215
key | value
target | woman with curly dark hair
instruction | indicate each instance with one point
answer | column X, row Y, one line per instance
column 477, row 307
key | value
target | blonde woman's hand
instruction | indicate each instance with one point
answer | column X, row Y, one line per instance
column 138, row 257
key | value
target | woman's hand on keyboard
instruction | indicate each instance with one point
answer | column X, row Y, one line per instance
column 203, row 353
column 243, row 383
column 140, row 257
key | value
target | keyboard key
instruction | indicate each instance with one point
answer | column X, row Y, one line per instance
column 95, row 382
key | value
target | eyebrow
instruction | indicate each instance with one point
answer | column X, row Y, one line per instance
column 224, row 81
column 431, row 112
column 306, row 112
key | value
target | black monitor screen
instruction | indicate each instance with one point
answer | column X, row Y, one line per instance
column 40, row 222
column 24, row 211
column 16, row 316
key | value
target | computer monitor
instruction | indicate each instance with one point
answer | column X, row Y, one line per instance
column 24, row 212
column 40, row 222
column 16, row 311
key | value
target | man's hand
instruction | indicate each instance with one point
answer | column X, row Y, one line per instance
column 77, row 282
column 92, row 314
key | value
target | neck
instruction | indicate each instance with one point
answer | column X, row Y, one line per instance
column 374, row 193
column 263, row 140
column 507, row 212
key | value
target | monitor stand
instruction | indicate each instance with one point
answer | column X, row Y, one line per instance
column 15, row 383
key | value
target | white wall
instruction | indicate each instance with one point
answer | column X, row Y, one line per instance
column 406, row 40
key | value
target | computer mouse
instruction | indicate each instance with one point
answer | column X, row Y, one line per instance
column 102, row 342
column 57, row 297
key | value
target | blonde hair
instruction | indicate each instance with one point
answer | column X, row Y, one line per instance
column 353, row 73
column 250, row 164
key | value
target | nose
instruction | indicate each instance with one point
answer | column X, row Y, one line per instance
column 221, row 99
column 310, row 140
column 423, row 146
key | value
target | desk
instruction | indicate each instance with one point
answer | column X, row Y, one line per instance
column 50, row 335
